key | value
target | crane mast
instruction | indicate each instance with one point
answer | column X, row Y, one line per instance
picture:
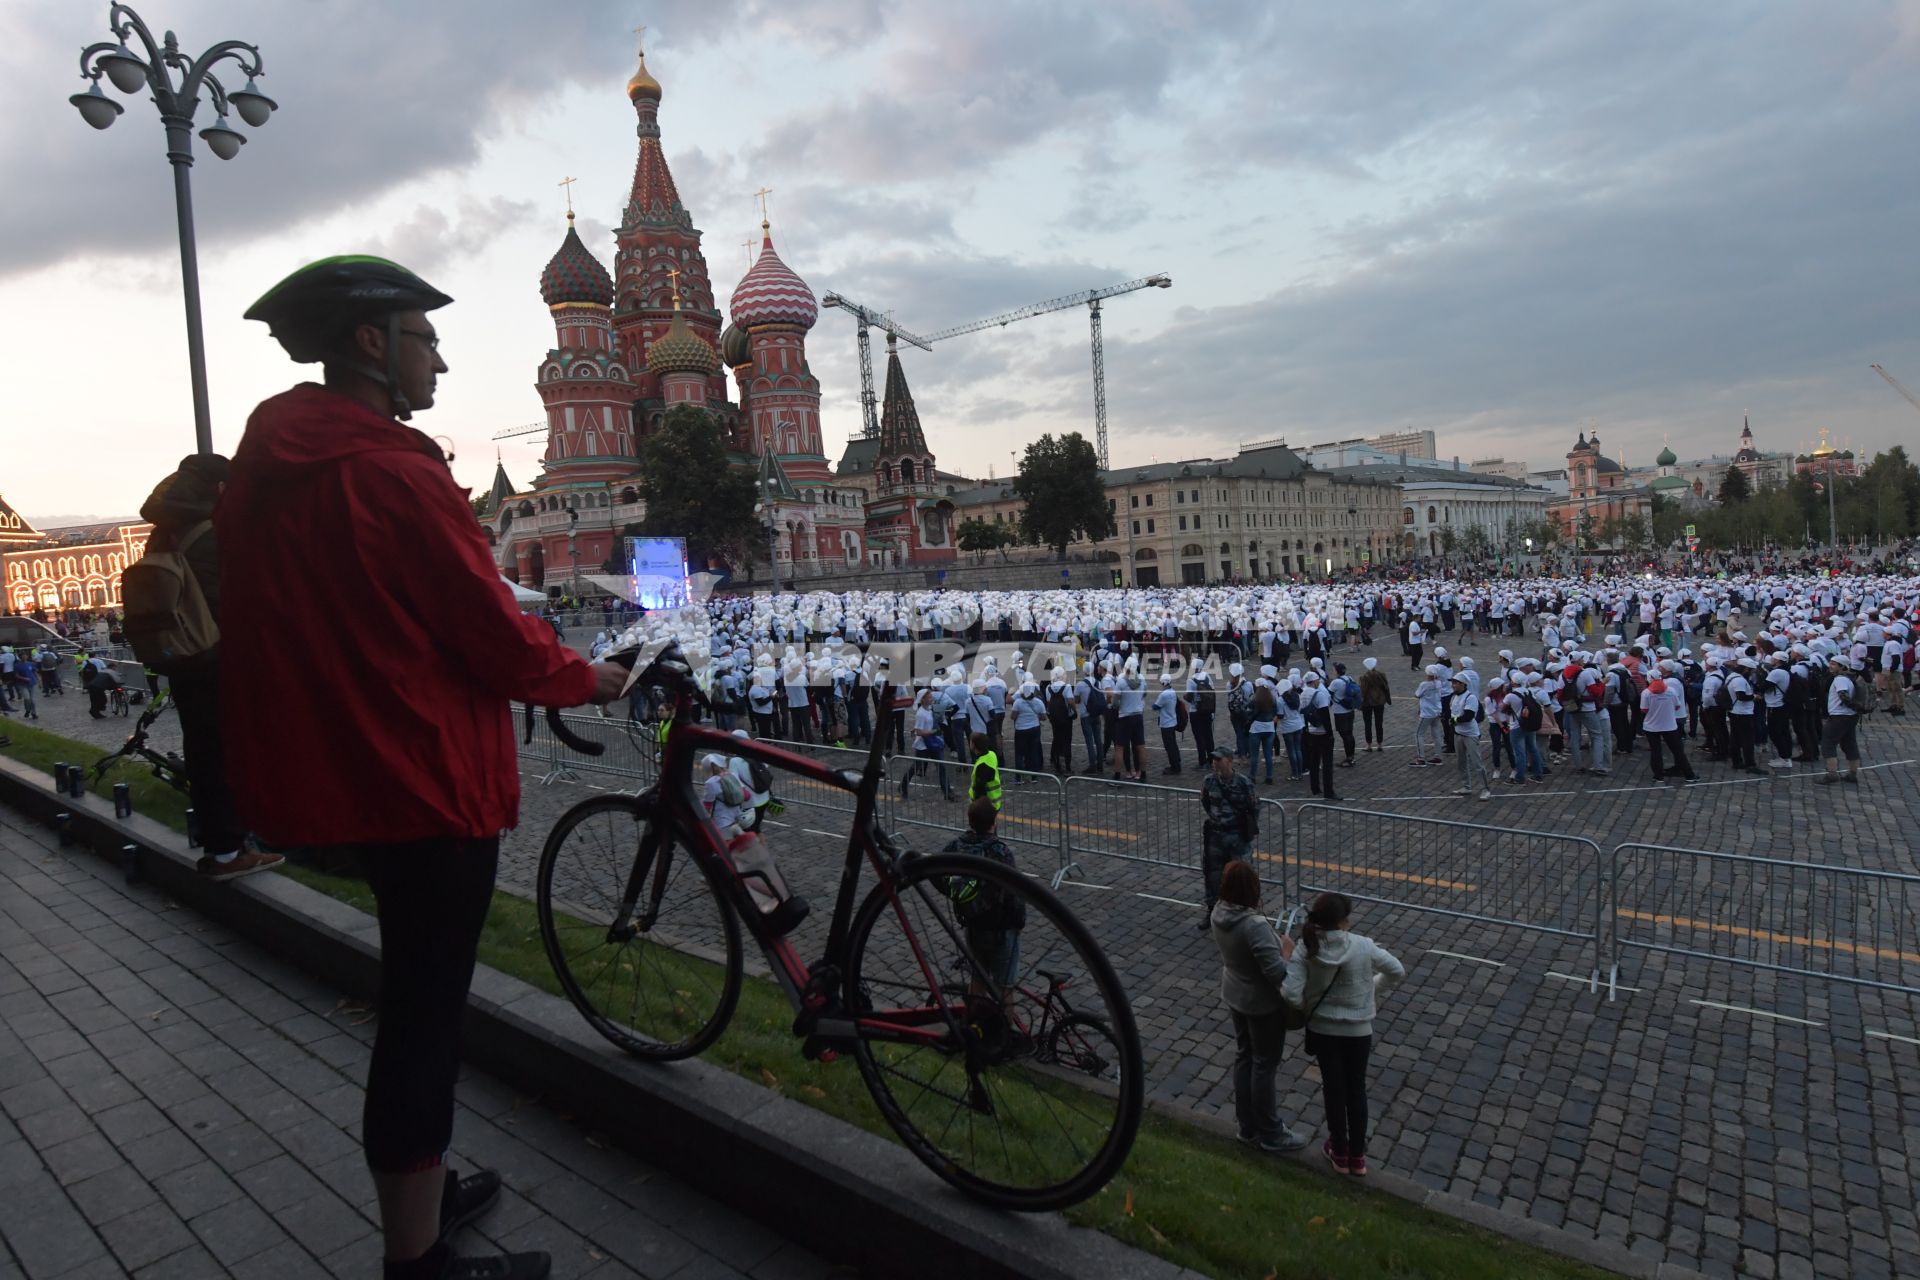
column 865, row 317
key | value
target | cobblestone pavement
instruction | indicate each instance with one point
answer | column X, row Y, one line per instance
column 1740, row 1121
column 1736, row 1120
column 174, row 1102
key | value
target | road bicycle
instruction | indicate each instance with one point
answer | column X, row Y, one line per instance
column 117, row 701
column 167, row 766
column 642, row 909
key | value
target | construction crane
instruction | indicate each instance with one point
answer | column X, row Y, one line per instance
column 1091, row 299
column 531, row 429
column 1895, row 384
column 863, row 318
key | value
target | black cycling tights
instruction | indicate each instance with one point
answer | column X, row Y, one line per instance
column 433, row 897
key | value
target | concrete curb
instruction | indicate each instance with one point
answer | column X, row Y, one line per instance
column 846, row 1194
column 801, row 1172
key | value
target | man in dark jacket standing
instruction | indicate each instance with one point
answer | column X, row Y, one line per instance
column 181, row 511
column 371, row 655
column 1231, row 822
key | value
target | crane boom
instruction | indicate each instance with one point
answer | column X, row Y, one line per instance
column 1895, row 384
column 1085, row 297
column 531, row 429
column 1090, row 299
column 865, row 317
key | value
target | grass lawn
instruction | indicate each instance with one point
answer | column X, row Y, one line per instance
column 1193, row 1198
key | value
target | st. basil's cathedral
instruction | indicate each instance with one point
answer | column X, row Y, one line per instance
column 633, row 344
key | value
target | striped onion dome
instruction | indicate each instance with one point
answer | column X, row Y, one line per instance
column 575, row 275
column 680, row 350
column 770, row 292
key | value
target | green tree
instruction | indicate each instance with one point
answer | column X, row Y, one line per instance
column 693, row 492
column 1586, row 535
column 1734, row 487
column 1065, row 496
column 1449, row 540
column 1635, row 535
column 981, row 536
column 1475, row 542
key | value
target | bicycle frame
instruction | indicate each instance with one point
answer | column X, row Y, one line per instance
column 813, row 990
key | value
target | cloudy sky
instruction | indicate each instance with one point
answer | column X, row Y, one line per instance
column 1505, row 222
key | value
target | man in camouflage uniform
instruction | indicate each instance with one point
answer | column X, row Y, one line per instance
column 1232, row 821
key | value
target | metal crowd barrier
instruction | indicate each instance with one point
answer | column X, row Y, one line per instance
column 1032, row 808
column 1843, row 924
column 1158, row 826
column 632, row 750
column 1533, row 880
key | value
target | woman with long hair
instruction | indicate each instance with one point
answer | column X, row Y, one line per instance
column 1334, row 975
column 1253, row 964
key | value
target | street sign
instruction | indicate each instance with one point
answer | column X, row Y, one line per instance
column 1116, row 577
column 941, row 575
column 1690, row 531
column 1065, row 574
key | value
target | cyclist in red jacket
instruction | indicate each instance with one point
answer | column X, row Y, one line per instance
column 372, row 655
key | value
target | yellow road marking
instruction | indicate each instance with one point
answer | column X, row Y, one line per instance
column 1767, row 935
column 1407, row 877
column 810, row 784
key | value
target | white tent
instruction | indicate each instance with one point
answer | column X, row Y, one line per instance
column 525, row 597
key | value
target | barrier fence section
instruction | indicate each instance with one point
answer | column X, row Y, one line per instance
column 1844, row 924
column 1533, row 880
column 795, row 792
column 632, row 752
column 1137, row 822
column 1032, row 809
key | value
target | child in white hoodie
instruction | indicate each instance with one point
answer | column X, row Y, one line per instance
column 1335, row 974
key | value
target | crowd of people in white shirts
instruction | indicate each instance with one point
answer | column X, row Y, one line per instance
column 1744, row 666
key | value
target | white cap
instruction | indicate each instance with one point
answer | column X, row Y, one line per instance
column 1370, row 663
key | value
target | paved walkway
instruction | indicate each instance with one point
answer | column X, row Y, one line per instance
column 173, row 1102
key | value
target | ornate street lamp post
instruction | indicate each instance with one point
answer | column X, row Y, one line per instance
column 177, row 101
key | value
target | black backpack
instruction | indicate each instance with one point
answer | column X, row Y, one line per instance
column 1096, row 699
column 1723, row 696
column 1530, row 716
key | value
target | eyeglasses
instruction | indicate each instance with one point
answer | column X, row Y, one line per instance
column 432, row 340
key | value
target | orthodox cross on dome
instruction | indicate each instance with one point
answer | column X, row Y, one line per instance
column 673, row 277
column 761, row 195
column 640, row 38
column 748, row 246
column 567, row 183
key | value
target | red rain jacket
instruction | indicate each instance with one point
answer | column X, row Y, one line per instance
column 370, row 650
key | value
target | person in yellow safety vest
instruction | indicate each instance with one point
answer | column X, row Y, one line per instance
column 984, row 778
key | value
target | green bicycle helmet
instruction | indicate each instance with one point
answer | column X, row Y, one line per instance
column 309, row 310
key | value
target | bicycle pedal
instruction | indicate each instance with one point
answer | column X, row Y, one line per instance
column 821, row 1049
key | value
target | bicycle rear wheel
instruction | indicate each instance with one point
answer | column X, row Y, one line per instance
column 945, row 1042
column 1086, row 1046
column 642, row 942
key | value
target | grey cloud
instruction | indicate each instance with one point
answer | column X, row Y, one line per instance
column 428, row 239
column 371, row 95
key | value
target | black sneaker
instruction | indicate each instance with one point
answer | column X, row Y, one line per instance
column 466, row 1199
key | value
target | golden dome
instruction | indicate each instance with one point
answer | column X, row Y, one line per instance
column 643, row 85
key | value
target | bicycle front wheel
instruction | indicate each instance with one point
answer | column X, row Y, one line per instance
column 945, row 1034
column 641, row 941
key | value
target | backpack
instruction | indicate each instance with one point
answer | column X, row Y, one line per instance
column 1695, row 679
column 1723, row 696
column 1349, row 692
column 1240, row 705
column 167, row 618
column 1096, row 699
column 1206, row 702
column 732, row 794
column 1180, row 714
column 1292, row 698
column 1530, row 715
column 762, row 774
column 977, row 905
column 1860, row 696
column 1057, row 706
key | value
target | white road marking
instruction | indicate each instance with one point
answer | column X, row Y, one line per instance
column 831, row 835
column 1455, row 955
column 1178, row 902
column 1587, row 982
column 1084, row 884
column 1527, row 793
column 1888, row 1035
column 1758, row 1013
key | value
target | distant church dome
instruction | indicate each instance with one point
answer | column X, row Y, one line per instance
column 771, row 293
column 1667, row 457
column 575, row 275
